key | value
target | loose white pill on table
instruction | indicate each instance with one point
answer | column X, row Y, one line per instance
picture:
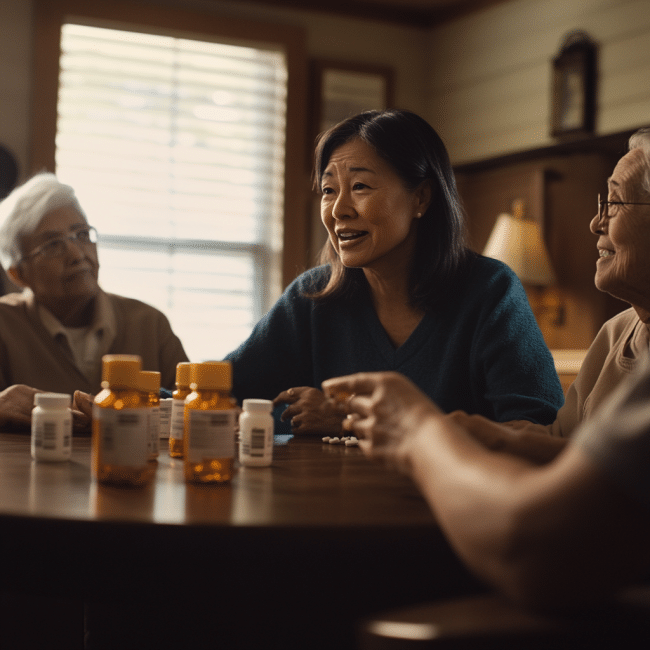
column 334, row 441
column 326, row 439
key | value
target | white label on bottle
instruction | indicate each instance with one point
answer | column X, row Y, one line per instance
column 51, row 439
column 177, row 419
column 258, row 440
column 154, row 430
column 123, row 436
column 165, row 417
column 211, row 434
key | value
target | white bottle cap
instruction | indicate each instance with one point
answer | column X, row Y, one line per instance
column 264, row 405
column 53, row 400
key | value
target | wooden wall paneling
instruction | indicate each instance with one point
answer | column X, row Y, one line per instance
column 489, row 89
column 487, row 194
column 560, row 194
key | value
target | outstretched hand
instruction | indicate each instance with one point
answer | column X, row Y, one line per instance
column 310, row 411
column 386, row 409
column 16, row 404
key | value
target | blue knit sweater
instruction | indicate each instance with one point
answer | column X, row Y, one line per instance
column 483, row 353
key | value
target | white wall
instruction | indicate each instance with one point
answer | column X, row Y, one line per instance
column 489, row 89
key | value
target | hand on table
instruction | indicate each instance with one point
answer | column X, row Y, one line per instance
column 493, row 435
column 16, row 404
column 520, row 438
column 386, row 409
column 82, row 412
column 310, row 411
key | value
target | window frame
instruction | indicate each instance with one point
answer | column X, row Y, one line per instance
column 50, row 15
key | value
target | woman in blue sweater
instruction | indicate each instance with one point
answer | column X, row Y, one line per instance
column 398, row 290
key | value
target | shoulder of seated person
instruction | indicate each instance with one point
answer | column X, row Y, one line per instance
column 13, row 300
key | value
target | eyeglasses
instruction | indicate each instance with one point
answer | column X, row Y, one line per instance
column 58, row 246
column 603, row 207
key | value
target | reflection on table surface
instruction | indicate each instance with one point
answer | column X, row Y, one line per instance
column 309, row 483
column 298, row 552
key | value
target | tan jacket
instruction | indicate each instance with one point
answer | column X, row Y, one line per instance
column 613, row 355
column 30, row 355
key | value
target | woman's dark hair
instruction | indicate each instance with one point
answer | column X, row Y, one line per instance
column 415, row 151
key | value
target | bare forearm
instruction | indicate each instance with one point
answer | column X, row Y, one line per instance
column 536, row 446
column 529, row 530
column 470, row 490
column 546, row 533
column 524, row 439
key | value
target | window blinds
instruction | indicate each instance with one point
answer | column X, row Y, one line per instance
column 175, row 148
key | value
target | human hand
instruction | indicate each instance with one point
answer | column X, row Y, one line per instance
column 386, row 409
column 16, row 404
column 310, row 411
column 496, row 436
column 517, row 437
column 82, row 412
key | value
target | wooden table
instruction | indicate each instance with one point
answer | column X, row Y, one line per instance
column 297, row 552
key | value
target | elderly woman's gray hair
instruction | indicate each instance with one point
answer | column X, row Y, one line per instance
column 23, row 209
column 641, row 140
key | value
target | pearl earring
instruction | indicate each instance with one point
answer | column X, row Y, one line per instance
column 418, row 215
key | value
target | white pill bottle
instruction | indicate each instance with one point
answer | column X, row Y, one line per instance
column 256, row 433
column 51, row 427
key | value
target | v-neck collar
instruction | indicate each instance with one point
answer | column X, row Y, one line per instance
column 394, row 357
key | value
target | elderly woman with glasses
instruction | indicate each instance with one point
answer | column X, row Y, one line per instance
column 54, row 333
column 622, row 225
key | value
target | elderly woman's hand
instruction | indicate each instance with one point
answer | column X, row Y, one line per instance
column 517, row 437
column 310, row 411
column 16, row 404
column 386, row 410
column 493, row 435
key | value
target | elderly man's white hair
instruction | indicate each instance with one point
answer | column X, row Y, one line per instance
column 641, row 140
column 23, row 209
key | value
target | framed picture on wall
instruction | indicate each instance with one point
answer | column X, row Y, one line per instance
column 340, row 90
column 573, row 110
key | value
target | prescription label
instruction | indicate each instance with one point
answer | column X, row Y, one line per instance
column 124, row 437
column 211, row 434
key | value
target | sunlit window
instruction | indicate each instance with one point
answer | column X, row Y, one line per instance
column 175, row 148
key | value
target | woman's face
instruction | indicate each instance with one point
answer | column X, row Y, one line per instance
column 623, row 267
column 369, row 213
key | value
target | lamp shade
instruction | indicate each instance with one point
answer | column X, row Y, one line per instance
column 518, row 243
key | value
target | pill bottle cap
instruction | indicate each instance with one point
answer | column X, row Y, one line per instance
column 258, row 405
column 53, row 400
column 121, row 370
column 149, row 381
column 183, row 373
column 211, row 375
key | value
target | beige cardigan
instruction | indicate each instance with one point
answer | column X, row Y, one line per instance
column 29, row 355
column 613, row 355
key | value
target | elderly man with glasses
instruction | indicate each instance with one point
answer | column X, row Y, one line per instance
column 54, row 333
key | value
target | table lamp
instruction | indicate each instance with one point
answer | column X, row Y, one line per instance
column 518, row 243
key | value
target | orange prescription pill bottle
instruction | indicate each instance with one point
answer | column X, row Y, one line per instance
column 150, row 390
column 177, row 424
column 120, row 449
column 209, row 424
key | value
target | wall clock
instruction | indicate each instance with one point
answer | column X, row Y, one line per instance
column 573, row 109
